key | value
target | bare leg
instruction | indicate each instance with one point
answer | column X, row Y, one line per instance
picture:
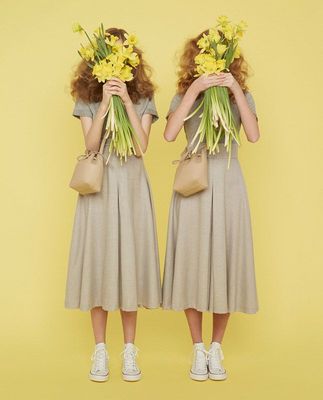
column 129, row 321
column 194, row 319
column 99, row 323
column 219, row 324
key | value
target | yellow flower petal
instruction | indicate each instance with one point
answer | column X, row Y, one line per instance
column 76, row 27
column 131, row 39
column 223, row 20
column 221, row 48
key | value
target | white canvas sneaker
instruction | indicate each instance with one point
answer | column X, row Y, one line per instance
column 199, row 371
column 130, row 370
column 215, row 357
column 100, row 370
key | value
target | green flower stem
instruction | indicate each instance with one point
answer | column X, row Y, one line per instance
column 194, row 112
column 121, row 130
column 216, row 121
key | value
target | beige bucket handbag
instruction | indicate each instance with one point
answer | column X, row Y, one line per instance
column 88, row 173
column 192, row 172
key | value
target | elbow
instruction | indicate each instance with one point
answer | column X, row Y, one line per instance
column 254, row 138
column 139, row 152
column 144, row 146
column 143, row 152
column 170, row 131
column 168, row 137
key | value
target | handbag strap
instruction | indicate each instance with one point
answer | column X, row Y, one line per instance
column 104, row 140
column 186, row 154
column 87, row 153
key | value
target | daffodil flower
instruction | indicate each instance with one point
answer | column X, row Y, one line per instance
column 214, row 35
column 87, row 53
column 111, row 40
column 218, row 49
column 237, row 53
column 76, row 27
column 109, row 58
column 223, row 20
column 131, row 39
column 221, row 48
column 204, row 43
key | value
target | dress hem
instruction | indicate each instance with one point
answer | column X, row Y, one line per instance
column 201, row 309
column 107, row 308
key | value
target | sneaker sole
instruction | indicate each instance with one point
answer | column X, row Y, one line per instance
column 198, row 377
column 217, row 377
column 98, row 378
column 131, row 378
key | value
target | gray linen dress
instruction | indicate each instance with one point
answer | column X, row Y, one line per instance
column 209, row 261
column 114, row 257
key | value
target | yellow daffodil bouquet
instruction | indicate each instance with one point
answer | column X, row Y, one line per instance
column 218, row 49
column 108, row 58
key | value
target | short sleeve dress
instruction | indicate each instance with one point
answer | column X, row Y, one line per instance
column 209, row 261
column 114, row 258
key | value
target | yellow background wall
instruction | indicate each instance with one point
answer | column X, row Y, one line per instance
column 45, row 349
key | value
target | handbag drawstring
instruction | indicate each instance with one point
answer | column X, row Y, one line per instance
column 89, row 153
column 187, row 154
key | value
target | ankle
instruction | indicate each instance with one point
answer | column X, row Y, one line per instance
column 100, row 345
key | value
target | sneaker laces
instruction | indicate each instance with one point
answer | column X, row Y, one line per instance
column 200, row 359
column 129, row 357
column 99, row 358
column 215, row 356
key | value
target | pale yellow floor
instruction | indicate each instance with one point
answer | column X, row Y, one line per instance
column 260, row 366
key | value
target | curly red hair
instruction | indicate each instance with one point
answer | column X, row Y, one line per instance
column 239, row 67
column 86, row 87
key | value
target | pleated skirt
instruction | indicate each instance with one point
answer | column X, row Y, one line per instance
column 209, row 261
column 114, row 259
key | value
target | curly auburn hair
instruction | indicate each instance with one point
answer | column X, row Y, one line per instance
column 86, row 87
column 238, row 68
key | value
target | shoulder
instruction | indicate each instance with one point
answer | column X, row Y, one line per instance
column 141, row 103
column 177, row 96
column 148, row 106
column 146, row 103
column 147, row 99
column 83, row 108
column 249, row 97
column 176, row 99
column 80, row 102
column 174, row 103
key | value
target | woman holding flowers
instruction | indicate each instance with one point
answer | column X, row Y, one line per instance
column 209, row 263
column 114, row 262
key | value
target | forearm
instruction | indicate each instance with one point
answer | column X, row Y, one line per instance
column 93, row 136
column 137, row 126
column 176, row 120
column 248, row 118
